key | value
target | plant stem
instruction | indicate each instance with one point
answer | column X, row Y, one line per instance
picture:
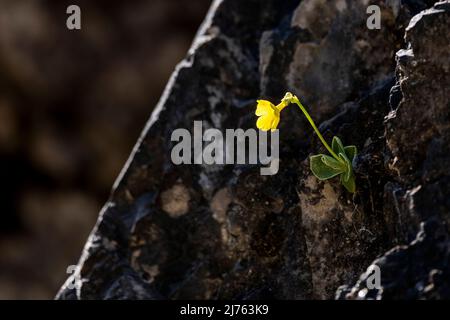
column 316, row 130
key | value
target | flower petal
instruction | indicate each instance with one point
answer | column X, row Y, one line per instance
column 264, row 107
column 275, row 122
column 263, row 123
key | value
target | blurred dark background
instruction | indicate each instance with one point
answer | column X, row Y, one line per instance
column 72, row 104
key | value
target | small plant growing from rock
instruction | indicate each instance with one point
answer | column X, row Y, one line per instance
column 322, row 166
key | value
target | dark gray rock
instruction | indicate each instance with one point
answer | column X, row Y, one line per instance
column 208, row 232
column 417, row 197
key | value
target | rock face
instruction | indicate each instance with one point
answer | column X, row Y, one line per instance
column 418, row 196
column 216, row 232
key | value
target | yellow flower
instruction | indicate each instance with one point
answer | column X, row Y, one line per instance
column 289, row 98
column 269, row 114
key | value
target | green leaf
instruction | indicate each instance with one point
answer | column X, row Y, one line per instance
column 337, row 145
column 348, row 166
column 333, row 163
column 325, row 167
column 320, row 169
column 350, row 184
column 350, row 151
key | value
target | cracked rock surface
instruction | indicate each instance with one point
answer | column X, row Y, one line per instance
column 227, row 232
